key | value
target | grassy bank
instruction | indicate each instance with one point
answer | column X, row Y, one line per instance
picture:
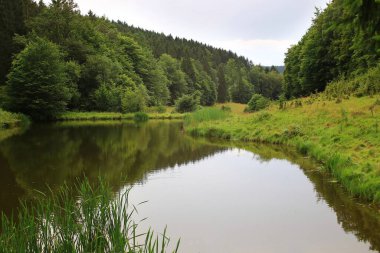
column 342, row 135
column 96, row 221
column 11, row 120
column 72, row 116
column 11, row 124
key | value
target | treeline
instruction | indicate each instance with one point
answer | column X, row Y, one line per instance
column 56, row 59
column 342, row 43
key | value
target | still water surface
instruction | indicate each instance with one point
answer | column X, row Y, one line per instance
column 215, row 196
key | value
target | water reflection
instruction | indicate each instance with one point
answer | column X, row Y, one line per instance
column 53, row 154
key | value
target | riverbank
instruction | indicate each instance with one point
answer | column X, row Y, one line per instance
column 10, row 123
column 344, row 136
column 79, row 116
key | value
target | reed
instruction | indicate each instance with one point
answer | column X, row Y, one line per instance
column 96, row 221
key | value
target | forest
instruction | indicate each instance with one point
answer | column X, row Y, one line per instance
column 56, row 59
column 342, row 44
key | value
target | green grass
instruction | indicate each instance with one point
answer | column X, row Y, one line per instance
column 73, row 116
column 96, row 221
column 343, row 136
column 11, row 120
column 11, row 124
column 206, row 114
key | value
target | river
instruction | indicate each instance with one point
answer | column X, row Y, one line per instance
column 215, row 196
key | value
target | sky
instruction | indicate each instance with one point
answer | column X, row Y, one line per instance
column 261, row 30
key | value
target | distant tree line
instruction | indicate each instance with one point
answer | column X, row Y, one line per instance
column 55, row 59
column 343, row 42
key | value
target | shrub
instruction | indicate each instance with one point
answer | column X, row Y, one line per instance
column 257, row 103
column 107, row 98
column 226, row 108
column 361, row 85
column 187, row 103
column 141, row 116
column 161, row 109
column 133, row 100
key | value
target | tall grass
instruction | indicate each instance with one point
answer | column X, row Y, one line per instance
column 10, row 120
column 206, row 114
column 97, row 221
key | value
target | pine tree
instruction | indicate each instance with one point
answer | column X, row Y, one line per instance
column 222, row 86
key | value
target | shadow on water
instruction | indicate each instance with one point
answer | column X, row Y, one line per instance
column 62, row 152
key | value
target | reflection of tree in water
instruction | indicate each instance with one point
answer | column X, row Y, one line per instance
column 356, row 218
column 52, row 154
column 9, row 190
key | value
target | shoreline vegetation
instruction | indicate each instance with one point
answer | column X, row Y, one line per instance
column 343, row 136
column 11, row 123
column 98, row 220
column 82, row 116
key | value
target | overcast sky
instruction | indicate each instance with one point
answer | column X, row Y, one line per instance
column 260, row 30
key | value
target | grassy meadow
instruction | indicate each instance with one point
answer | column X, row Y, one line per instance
column 343, row 135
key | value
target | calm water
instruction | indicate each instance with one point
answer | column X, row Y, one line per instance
column 216, row 197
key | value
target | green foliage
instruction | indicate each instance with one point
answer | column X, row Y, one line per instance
column 108, row 63
column 133, row 100
column 187, row 103
column 96, row 221
column 282, row 102
column 141, row 117
column 342, row 43
column 361, row 85
column 13, row 16
column 206, row 114
column 223, row 93
column 10, row 120
column 176, row 77
column 257, row 103
column 269, row 84
column 37, row 84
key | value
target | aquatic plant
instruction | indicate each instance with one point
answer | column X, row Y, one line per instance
column 97, row 221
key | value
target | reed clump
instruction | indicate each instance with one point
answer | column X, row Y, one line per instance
column 96, row 221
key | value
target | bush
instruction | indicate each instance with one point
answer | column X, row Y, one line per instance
column 226, row 108
column 257, row 103
column 133, row 100
column 362, row 85
column 107, row 98
column 141, row 117
column 161, row 109
column 187, row 103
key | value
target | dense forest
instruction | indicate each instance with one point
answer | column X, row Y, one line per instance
column 56, row 59
column 342, row 43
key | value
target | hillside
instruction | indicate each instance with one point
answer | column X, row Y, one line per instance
column 99, row 65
